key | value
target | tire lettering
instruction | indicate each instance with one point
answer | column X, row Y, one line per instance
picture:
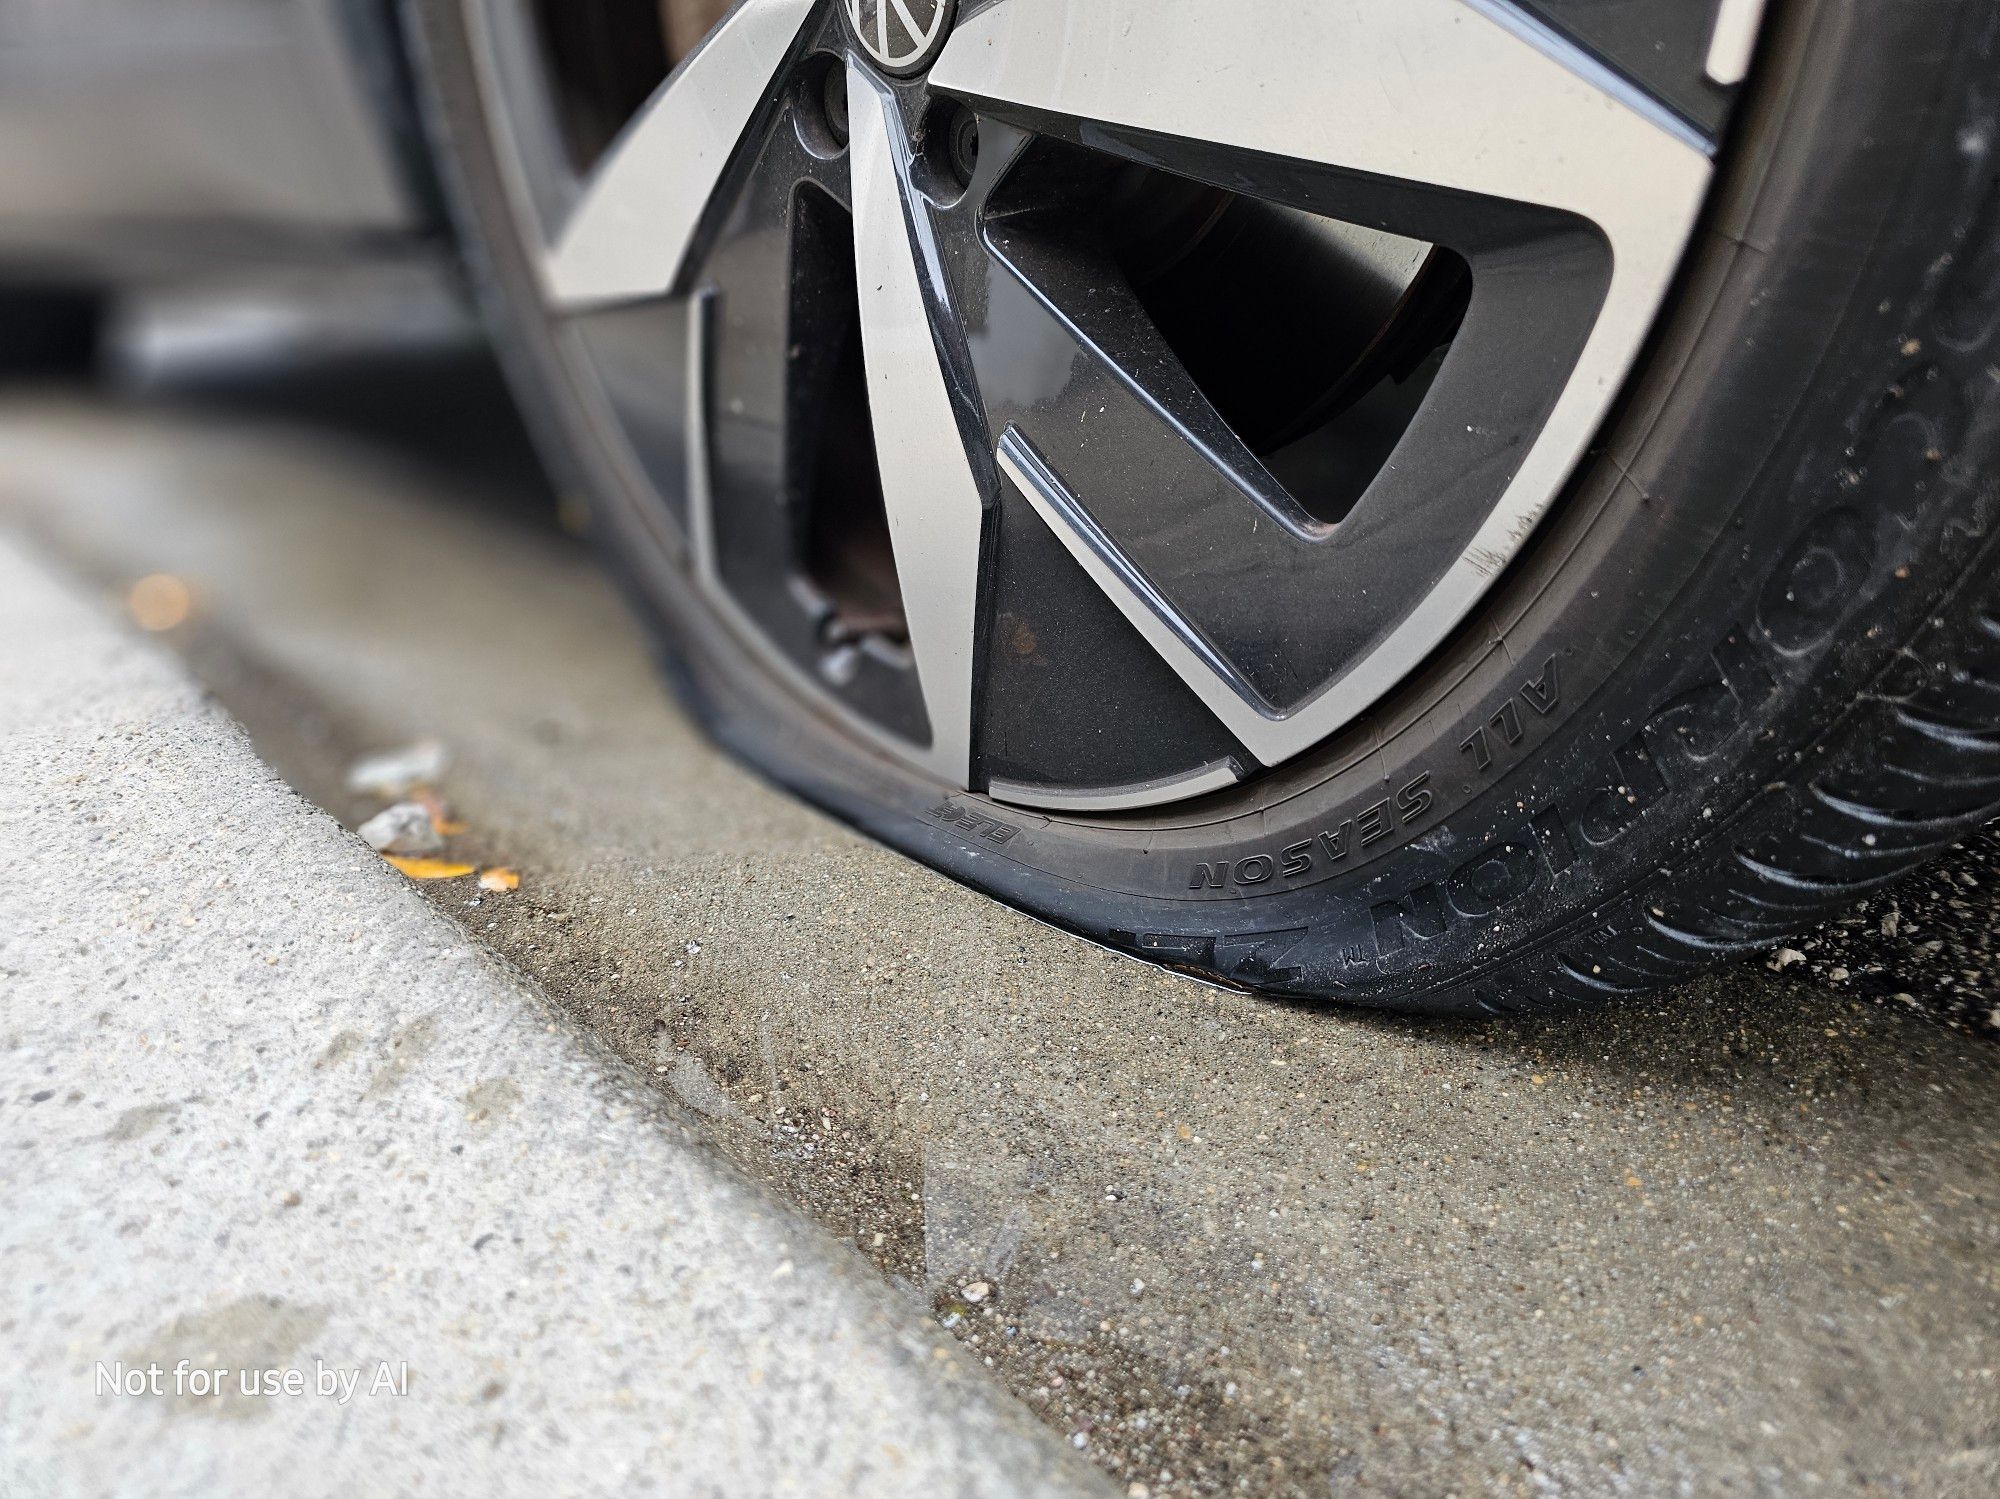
column 1692, row 726
column 1326, row 850
column 1542, row 694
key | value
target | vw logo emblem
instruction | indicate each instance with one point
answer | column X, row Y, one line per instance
column 903, row 36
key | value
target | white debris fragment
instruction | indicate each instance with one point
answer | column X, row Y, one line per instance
column 976, row 1291
column 399, row 772
column 1784, row 957
column 405, row 828
column 698, row 1090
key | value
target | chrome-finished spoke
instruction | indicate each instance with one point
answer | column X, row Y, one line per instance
column 629, row 235
column 935, row 507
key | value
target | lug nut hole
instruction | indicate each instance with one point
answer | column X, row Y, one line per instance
column 820, row 107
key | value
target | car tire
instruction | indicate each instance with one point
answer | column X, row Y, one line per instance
column 1745, row 671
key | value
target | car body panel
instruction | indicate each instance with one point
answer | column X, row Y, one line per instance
column 144, row 138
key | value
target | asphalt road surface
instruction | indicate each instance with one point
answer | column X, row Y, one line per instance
column 1739, row 1238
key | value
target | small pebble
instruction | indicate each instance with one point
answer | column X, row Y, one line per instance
column 405, row 828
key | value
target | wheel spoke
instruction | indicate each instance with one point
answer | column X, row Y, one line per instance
column 1153, row 493
column 630, row 233
column 1254, row 602
column 1453, row 121
column 934, row 501
column 1442, row 92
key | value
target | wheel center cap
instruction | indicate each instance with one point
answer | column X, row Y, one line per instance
column 902, row 36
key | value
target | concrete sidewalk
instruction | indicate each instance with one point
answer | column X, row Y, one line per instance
column 262, row 1109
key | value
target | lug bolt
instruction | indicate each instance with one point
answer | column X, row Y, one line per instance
column 833, row 102
column 963, row 143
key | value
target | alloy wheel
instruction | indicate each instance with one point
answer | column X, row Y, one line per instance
column 1096, row 405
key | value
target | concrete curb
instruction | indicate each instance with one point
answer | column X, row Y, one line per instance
column 262, row 1109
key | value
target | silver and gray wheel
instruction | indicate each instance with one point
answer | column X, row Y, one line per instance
column 1180, row 464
